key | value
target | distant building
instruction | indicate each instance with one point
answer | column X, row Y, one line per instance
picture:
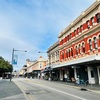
column 33, row 68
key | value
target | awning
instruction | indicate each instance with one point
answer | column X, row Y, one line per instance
column 36, row 71
column 79, row 61
column 47, row 69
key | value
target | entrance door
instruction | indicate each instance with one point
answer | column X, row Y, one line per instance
column 83, row 73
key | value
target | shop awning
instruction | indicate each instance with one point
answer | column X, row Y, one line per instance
column 79, row 61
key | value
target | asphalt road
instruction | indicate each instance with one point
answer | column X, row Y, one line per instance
column 35, row 89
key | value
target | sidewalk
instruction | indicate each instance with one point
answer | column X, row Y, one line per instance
column 10, row 91
column 90, row 87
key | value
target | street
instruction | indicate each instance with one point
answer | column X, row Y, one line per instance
column 35, row 89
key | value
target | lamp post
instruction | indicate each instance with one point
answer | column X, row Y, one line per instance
column 12, row 62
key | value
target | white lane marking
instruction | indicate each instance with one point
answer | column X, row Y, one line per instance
column 61, row 92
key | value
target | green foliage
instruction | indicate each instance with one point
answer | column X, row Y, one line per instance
column 5, row 66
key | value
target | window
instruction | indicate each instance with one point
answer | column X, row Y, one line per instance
column 92, row 74
column 78, row 30
column 79, row 48
column 62, row 55
column 71, row 52
column 92, row 19
column 83, row 48
column 81, row 28
column 90, row 44
column 40, row 65
column 76, row 50
column 98, row 17
column 95, row 43
column 99, row 40
column 66, row 54
column 75, row 33
column 68, row 37
column 88, row 24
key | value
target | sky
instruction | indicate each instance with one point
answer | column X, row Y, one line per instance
column 34, row 25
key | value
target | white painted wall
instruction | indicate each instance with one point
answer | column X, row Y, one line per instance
column 91, row 79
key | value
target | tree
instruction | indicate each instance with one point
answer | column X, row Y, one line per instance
column 5, row 66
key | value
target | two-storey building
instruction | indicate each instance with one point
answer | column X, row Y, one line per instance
column 53, row 59
column 79, row 47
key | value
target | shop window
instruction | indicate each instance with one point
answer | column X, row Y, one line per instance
column 98, row 17
column 92, row 74
column 90, row 44
column 95, row 43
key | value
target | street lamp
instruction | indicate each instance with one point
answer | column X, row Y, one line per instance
column 13, row 59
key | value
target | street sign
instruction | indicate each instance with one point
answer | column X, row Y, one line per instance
column 15, row 59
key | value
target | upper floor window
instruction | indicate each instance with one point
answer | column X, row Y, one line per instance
column 90, row 44
column 75, row 33
column 92, row 19
column 83, row 48
column 62, row 55
column 88, row 24
column 66, row 54
column 76, row 50
column 98, row 17
column 99, row 40
column 71, row 52
column 79, row 48
column 78, row 30
column 95, row 43
column 68, row 37
column 81, row 28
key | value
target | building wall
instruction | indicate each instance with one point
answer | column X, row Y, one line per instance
column 53, row 54
column 75, row 42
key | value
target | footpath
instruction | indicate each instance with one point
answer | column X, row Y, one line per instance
column 90, row 87
column 10, row 91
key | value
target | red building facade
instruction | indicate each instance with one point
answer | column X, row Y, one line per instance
column 79, row 45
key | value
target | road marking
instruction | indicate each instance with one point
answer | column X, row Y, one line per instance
column 61, row 91
column 22, row 88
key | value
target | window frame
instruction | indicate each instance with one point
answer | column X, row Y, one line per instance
column 90, row 45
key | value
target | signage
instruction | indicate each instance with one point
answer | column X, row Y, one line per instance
column 15, row 59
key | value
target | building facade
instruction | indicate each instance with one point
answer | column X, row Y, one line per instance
column 79, row 47
column 53, row 59
column 34, row 68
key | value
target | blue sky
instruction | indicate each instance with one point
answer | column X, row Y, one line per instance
column 34, row 25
